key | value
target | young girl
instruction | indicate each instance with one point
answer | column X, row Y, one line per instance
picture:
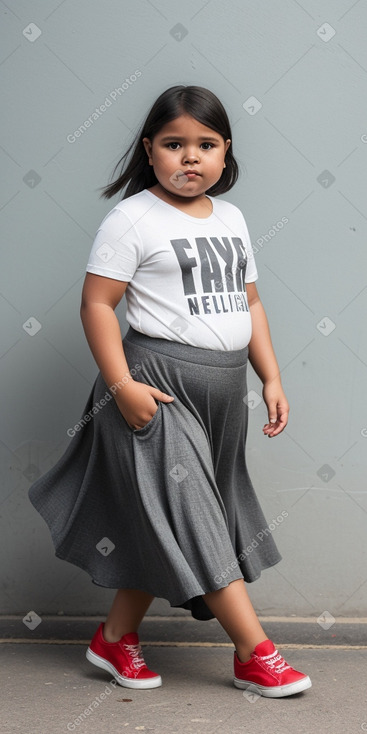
column 152, row 496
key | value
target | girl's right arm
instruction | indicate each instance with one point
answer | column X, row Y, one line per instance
column 135, row 400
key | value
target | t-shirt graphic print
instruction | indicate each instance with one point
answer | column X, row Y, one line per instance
column 214, row 255
column 187, row 276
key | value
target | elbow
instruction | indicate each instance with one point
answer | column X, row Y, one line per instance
column 90, row 308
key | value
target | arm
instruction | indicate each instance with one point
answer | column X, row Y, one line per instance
column 135, row 400
column 263, row 360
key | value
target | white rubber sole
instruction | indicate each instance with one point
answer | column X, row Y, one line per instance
column 121, row 680
column 274, row 691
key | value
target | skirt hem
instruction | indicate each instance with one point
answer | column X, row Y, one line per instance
column 173, row 601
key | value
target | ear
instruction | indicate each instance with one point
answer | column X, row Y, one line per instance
column 226, row 145
column 148, row 148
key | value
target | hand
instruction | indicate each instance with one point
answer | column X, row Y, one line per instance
column 278, row 408
column 138, row 402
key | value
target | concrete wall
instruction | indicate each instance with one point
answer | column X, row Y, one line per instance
column 292, row 76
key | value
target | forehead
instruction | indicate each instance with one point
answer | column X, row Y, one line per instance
column 187, row 126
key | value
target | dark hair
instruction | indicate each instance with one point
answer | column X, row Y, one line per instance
column 198, row 102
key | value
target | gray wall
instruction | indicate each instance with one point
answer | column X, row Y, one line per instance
column 303, row 158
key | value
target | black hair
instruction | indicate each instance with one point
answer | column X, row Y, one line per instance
column 198, row 102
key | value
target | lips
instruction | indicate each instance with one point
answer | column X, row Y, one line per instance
column 187, row 173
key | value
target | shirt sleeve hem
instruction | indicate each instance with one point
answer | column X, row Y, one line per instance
column 115, row 275
column 252, row 280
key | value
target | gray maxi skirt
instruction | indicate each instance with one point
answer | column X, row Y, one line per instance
column 169, row 508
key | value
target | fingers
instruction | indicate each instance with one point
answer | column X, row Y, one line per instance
column 161, row 396
column 272, row 428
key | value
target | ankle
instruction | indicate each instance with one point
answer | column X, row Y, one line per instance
column 113, row 634
column 244, row 651
column 243, row 654
column 109, row 635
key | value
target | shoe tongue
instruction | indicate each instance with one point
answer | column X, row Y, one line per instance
column 264, row 648
column 131, row 638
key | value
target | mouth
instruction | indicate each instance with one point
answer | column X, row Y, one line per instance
column 190, row 173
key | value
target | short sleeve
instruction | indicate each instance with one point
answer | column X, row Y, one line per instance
column 251, row 269
column 116, row 250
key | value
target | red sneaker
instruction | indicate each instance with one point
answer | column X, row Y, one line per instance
column 123, row 659
column 268, row 674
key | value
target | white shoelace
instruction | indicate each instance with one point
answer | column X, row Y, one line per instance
column 137, row 656
column 275, row 662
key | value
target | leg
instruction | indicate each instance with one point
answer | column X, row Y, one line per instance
column 233, row 609
column 127, row 611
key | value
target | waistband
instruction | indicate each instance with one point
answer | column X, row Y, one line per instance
column 188, row 353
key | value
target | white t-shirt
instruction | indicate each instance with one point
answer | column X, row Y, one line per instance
column 186, row 275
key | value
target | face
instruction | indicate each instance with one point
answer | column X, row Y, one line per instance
column 185, row 145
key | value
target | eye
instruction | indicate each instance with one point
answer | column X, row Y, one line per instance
column 209, row 144
column 173, row 143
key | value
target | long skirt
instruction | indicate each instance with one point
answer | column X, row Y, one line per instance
column 169, row 508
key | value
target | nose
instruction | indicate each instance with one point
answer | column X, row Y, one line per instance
column 191, row 156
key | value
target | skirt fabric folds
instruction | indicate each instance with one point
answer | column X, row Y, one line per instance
column 168, row 508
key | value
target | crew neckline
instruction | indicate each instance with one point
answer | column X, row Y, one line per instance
column 198, row 220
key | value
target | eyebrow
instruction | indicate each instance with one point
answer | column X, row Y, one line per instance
column 178, row 137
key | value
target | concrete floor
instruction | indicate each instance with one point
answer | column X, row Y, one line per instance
column 47, row 683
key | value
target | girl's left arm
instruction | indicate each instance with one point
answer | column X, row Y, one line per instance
column 262, row 358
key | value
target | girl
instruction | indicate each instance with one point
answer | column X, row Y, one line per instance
column 152, row 496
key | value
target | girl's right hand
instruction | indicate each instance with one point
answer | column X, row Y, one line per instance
column 138, row 402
